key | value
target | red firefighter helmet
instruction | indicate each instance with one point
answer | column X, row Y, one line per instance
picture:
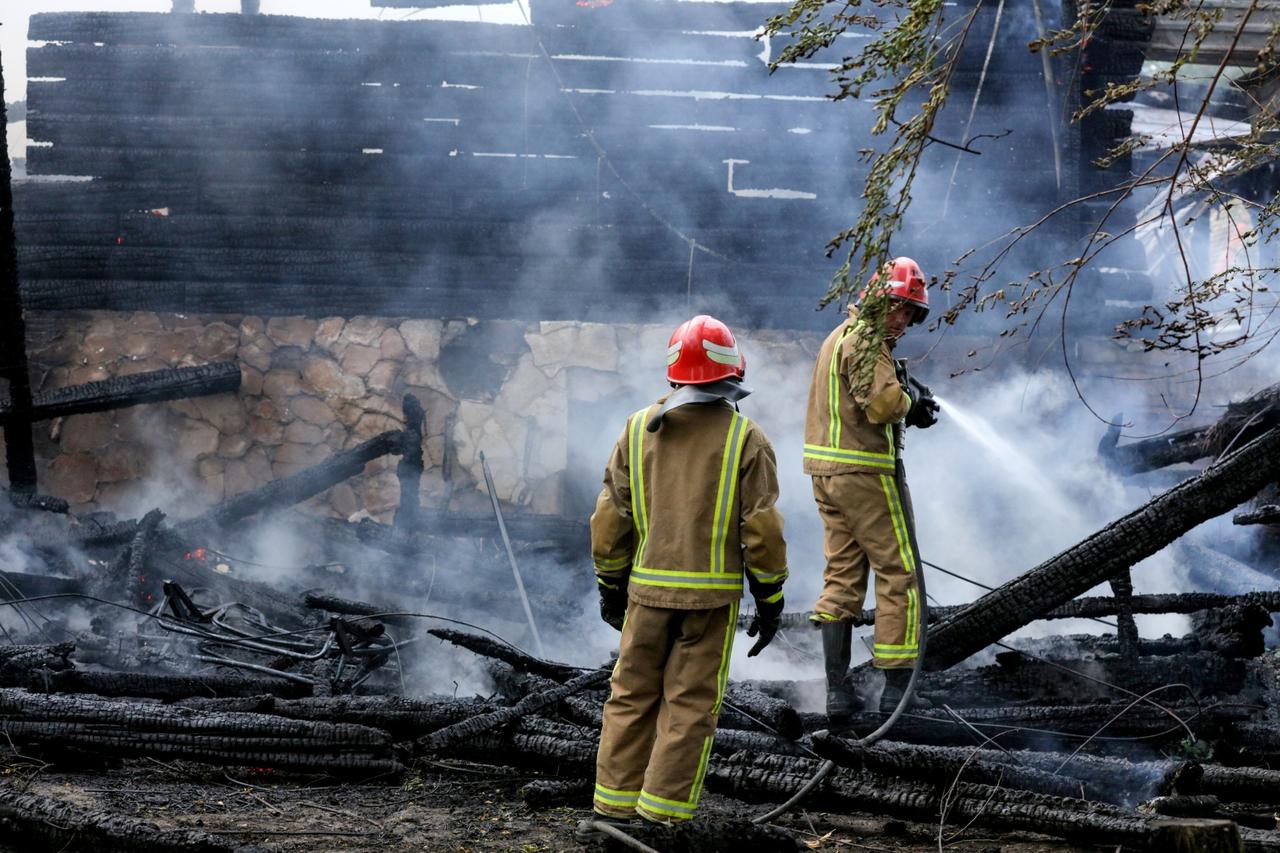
column 703, row 350
column 906, row 283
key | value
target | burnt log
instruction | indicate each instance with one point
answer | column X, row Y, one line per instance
column 169, row 688
column 19, row 447
column 17, row 662
column 929, row 763
column 1018, row 678
column 298, row 487
column 985, row 806
column 1149, row 454
column 747, row 708
column 14, row 585
column 37, row 822
column 127, row 577
column 549, row 793
column 1091, row 607
column 1233, row 631
column 508, row 654
column 1118, row 546
column 1126, row 627
column 534, row 702
column 43, row 503
column 521, row 528
column 54, row 724
column 330, row 603
column 402, row 717
column 155, row 386
column 1031, row 726
column 409, row 469
column 1267, row 514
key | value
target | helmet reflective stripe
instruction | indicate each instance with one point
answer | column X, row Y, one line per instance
column 722, row 355
column 673, row 352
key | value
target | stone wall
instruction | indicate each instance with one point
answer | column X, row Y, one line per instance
column 544, row 401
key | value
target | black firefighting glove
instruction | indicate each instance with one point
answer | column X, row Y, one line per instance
column 924, row 409
column 613, row 605
column 766, row 622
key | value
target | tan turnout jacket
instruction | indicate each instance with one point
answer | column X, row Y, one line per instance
column 850, row 429
column 685, row 509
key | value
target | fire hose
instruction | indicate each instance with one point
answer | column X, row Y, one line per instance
column 908, row 695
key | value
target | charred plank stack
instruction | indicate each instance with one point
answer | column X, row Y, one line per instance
column 288, row 165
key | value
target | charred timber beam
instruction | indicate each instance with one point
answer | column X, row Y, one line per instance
column 145, row 685
column 298, row 487
column 987, row 806
column 44, row 503
column 548, row 793
column 404, row 718
column 1020, row 678
column 759, row 710
column 128, row 573
column 521, row 528
column 517, row 659
column 15, row 585
column 129, row 729
column 19, row 449
column 38, row 822
column 409, row 469
column 929, row 763
column 1118, row 546
column 346, row 607
column 532, row 703
column 1017, row 726
column 1187, row 445
column 19, row 662
column 1082, row 608
column 1126, row 626
column 1268, row 514
column 119, row 392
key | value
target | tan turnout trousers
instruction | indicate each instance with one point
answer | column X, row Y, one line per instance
column 865, row 528
column 659, row 722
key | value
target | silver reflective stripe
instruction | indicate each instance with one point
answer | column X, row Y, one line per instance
column 673, row 352
column 722, row 354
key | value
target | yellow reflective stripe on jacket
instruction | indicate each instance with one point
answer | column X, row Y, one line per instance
column 768, row 577
column 777, row 596
column 639, row 512
column 685, row 580
column 727, row 490
column 833, row 389
column 854, row 457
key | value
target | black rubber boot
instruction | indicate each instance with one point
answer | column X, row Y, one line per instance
column 837, row 643
column 895, row 684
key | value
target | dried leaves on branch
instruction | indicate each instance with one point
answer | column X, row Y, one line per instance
column 1187, row 176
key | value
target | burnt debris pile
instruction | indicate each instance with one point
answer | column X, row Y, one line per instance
column 128, row 640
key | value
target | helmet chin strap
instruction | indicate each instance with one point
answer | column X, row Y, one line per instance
column 728, row 390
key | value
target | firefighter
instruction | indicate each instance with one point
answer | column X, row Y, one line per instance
column 687, row 512
column 858, row 400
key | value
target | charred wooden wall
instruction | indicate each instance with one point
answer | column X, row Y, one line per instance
column 275, row 165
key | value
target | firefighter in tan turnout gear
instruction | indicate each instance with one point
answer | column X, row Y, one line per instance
column 687, row 513
column 858, row 402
